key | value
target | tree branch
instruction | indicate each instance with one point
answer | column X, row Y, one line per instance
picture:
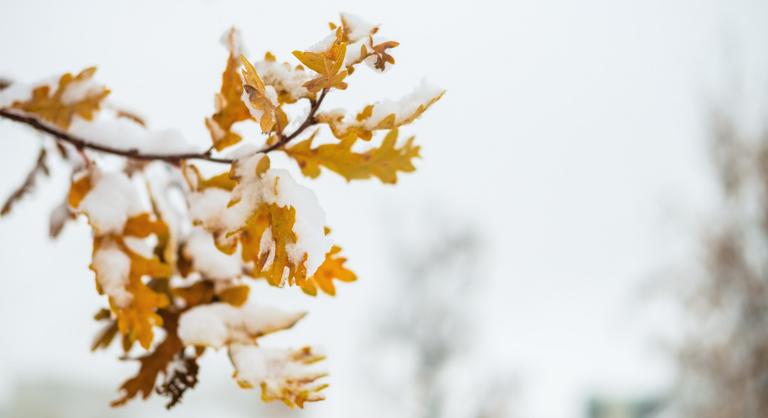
column 135, row 154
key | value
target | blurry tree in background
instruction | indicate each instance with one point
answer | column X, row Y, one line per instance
column 724, row 359
column 428, row 319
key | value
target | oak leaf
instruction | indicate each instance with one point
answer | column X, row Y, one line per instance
column 230, row 108
column 327, row 64
column 383, row 115
column 383, row 162
column 281, row 374
column 332, row 268
column 75, row 95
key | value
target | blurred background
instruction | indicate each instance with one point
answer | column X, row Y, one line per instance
column 585, row 236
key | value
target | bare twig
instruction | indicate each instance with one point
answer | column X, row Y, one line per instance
column 136, row 154
column 28, row 184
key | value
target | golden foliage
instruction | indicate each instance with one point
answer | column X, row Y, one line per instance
column 292, row 390
column 230, row 108
column 271, row 265
column 383, row 162
column 57, row 107
column 332, row 268
column 363, row 127
column 136, row 251
column 327, row 64
column 258, row 97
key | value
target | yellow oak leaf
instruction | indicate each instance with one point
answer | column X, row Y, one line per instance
column 327, row 64
column 272, row 262
column 283, row 375
column 383, row 162
column 260, row 99
column 383, row 115
column 137, row 320
column 332, row 268
column 75, row 95
column 120, row 272
column 230, row 108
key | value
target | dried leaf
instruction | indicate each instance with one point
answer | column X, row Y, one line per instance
column 153, row 363
column 261, row 104
column 383, row 162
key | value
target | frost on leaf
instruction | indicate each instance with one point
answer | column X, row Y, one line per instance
column 383, row 162
column 122, row 257
column 230, row 108
column 282, row 374
column 383, row 115
column 74, row 95
column 276, row 223
column 288, row 81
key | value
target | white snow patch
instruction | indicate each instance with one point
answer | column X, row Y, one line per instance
column 232, row 39
column 357, row 28
column 111, row 201
column 113, row 268
column 19, row 92
column 80, row 90
column 208, row 260
column 405, row 106
column 283, row 77
column 255, row 365
column 219, row 324
column 126, row 135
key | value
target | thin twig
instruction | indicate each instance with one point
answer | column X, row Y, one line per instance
column 135, row 154
column 28, row 184
column 309, row 121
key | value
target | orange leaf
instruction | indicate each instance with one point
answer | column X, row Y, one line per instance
column 332, row 268
column 75, row 96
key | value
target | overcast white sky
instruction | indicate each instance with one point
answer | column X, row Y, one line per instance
column 569, row 130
